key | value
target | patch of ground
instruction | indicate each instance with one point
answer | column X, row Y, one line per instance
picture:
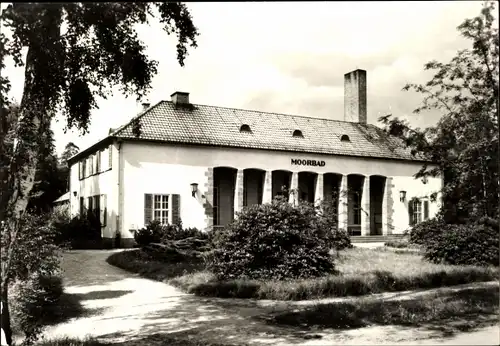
column 137, row 311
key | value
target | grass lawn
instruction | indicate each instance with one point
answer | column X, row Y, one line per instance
column 157, row 339
column 362, row 271
column 452, row 312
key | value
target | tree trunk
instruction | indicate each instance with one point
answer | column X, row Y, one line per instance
column 6, row 327
column 22, row 174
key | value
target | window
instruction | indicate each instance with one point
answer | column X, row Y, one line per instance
column 103, row 210
column 98, row 162
column 418, row 210
column 104, row 160
column 245, row 128
column 160, row 209
column 345, row 138
column 82, row 205
column 356, row 206
column 90, row 206
column 84, row 168
column 163, row 208
column 96, row 202
column 297, row 133
column 90, row 165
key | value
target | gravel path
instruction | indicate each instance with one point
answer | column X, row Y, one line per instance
column 123, row 308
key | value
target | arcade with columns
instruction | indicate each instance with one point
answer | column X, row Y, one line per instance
column 364, row 203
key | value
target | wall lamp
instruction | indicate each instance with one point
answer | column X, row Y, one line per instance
column 402, row 195
column 74, row 193
column 194, row 189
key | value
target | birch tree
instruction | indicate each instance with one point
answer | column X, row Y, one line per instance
column 74, row 54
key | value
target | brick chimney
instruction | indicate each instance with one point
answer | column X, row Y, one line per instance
column 145, row 105
column 355, row 96
column 180, row 98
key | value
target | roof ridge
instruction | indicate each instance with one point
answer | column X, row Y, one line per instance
column 140, row 115
column 274, row 113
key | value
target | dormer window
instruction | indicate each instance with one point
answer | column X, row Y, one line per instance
column 345, row 138
column 297, row 133
column 245, row 128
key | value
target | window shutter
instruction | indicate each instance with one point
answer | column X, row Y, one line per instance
column 97, row 206
column 82, row 205
column 103, row 210
column 176, row 212
column 89, row 205
column 79, row 170
column 105, row 160
column 410, row 213
column 98, row 169
column 426, row 210
column 148, row 208
column 110, row 159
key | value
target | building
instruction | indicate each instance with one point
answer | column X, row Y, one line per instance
column 62, row 200
column 202, row 164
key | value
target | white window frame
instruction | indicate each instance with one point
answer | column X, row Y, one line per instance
column 418, row 211
column 168, row 209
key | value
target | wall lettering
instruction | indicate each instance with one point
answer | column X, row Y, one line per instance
column 299, row 162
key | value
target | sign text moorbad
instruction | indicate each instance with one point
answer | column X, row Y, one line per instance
column 299, row 162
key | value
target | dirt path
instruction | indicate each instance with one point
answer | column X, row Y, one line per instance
column 123, row 307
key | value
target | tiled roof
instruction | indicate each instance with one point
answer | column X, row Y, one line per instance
column 210, row 125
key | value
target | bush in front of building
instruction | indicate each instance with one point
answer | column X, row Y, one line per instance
column 155, row 232
column 328, row 215
column 152, row 233
column 79, row 232
column 273, row 241
column 472, row 243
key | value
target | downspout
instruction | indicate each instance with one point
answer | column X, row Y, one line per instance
column 119, row 190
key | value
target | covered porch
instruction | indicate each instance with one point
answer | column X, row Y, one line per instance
column 363, row 203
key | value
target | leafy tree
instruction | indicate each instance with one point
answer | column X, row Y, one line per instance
column 71, row 149
column 464, row 145
column 74, row 53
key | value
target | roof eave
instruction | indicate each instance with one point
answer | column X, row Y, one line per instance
column 92, row 148
column 131, row 139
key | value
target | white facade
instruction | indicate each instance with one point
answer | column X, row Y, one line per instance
column 204, row 185
column 139, row 168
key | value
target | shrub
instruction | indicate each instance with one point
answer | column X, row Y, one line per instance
column 426, row 231
column 155, row 232
column 396, row 244
column 275, row 240
column 149, row 234
column 177, row 232
column 328, row 217
column 473, row 243
column 33, row 302
column 33, row 257
column 77, row 231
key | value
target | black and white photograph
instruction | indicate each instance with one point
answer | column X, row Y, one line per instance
column 249, row 173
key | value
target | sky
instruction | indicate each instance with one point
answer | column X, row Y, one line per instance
column 291, row 58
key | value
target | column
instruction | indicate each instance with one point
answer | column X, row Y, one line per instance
column 267, row 190
column 343, row 203
column 293, row 196
column 387, row 207
column 365, row 205
column 238, row 192
column 208, row 188
column 318, row 193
